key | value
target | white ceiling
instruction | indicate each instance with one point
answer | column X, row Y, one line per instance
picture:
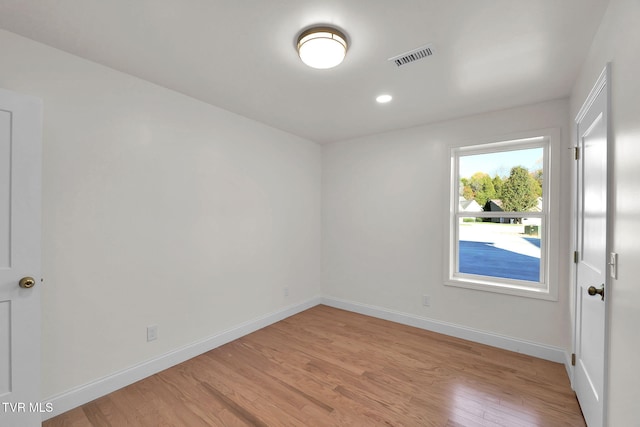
column 240, row 55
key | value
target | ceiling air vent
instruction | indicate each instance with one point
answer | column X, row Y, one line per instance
column 413, row 55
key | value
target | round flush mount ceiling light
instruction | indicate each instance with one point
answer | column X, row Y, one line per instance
column 383, row 99
column 322, row 47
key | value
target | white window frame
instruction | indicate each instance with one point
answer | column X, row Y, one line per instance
column 549, row 140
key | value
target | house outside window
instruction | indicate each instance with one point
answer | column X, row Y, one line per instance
column 500, row 218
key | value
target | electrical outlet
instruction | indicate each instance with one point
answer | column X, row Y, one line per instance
column 152, row 333
column 286, row 292
column 426, row 300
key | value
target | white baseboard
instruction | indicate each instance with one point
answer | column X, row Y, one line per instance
column 80, row 395
column 85, row 393
column 541, row 351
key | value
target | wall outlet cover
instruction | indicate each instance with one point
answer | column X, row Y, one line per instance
column 152, row 333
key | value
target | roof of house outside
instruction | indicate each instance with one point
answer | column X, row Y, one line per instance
column 469, row 205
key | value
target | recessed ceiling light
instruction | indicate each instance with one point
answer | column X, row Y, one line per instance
column 383, row 99
column 322, row 47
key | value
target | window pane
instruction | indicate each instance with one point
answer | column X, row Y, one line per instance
column 510, row 181
column 503, row 250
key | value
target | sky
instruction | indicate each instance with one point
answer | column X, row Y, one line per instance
column 501, row 163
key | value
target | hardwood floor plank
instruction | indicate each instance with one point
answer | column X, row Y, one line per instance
column 329, row 367
column 73, row 418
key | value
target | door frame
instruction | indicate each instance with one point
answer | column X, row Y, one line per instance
column 602, row 83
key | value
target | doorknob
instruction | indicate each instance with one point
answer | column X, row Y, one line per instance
column 592, row 291
column 27, row 282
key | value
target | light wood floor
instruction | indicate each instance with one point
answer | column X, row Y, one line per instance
column 328, row 367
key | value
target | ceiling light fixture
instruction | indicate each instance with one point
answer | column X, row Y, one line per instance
column 383, row 99
column 322, row 47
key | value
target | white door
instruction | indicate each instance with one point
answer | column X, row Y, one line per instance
column 591, row 278
column 20, row 195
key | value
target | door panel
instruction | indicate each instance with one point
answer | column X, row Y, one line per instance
column 5, row 342
column 5, row 189
column 589, row 375
column 20, row 195
column 594, row 194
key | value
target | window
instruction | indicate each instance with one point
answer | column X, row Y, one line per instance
column 499, row 217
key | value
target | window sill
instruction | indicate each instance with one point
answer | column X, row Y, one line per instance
column 502, row 288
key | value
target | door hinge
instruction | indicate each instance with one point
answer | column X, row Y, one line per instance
column 575, row 257
column 573, row 359
column 576, row 153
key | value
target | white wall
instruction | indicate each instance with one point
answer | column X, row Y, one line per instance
column 385, row 199
column 158, row 209
column 618, row 42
